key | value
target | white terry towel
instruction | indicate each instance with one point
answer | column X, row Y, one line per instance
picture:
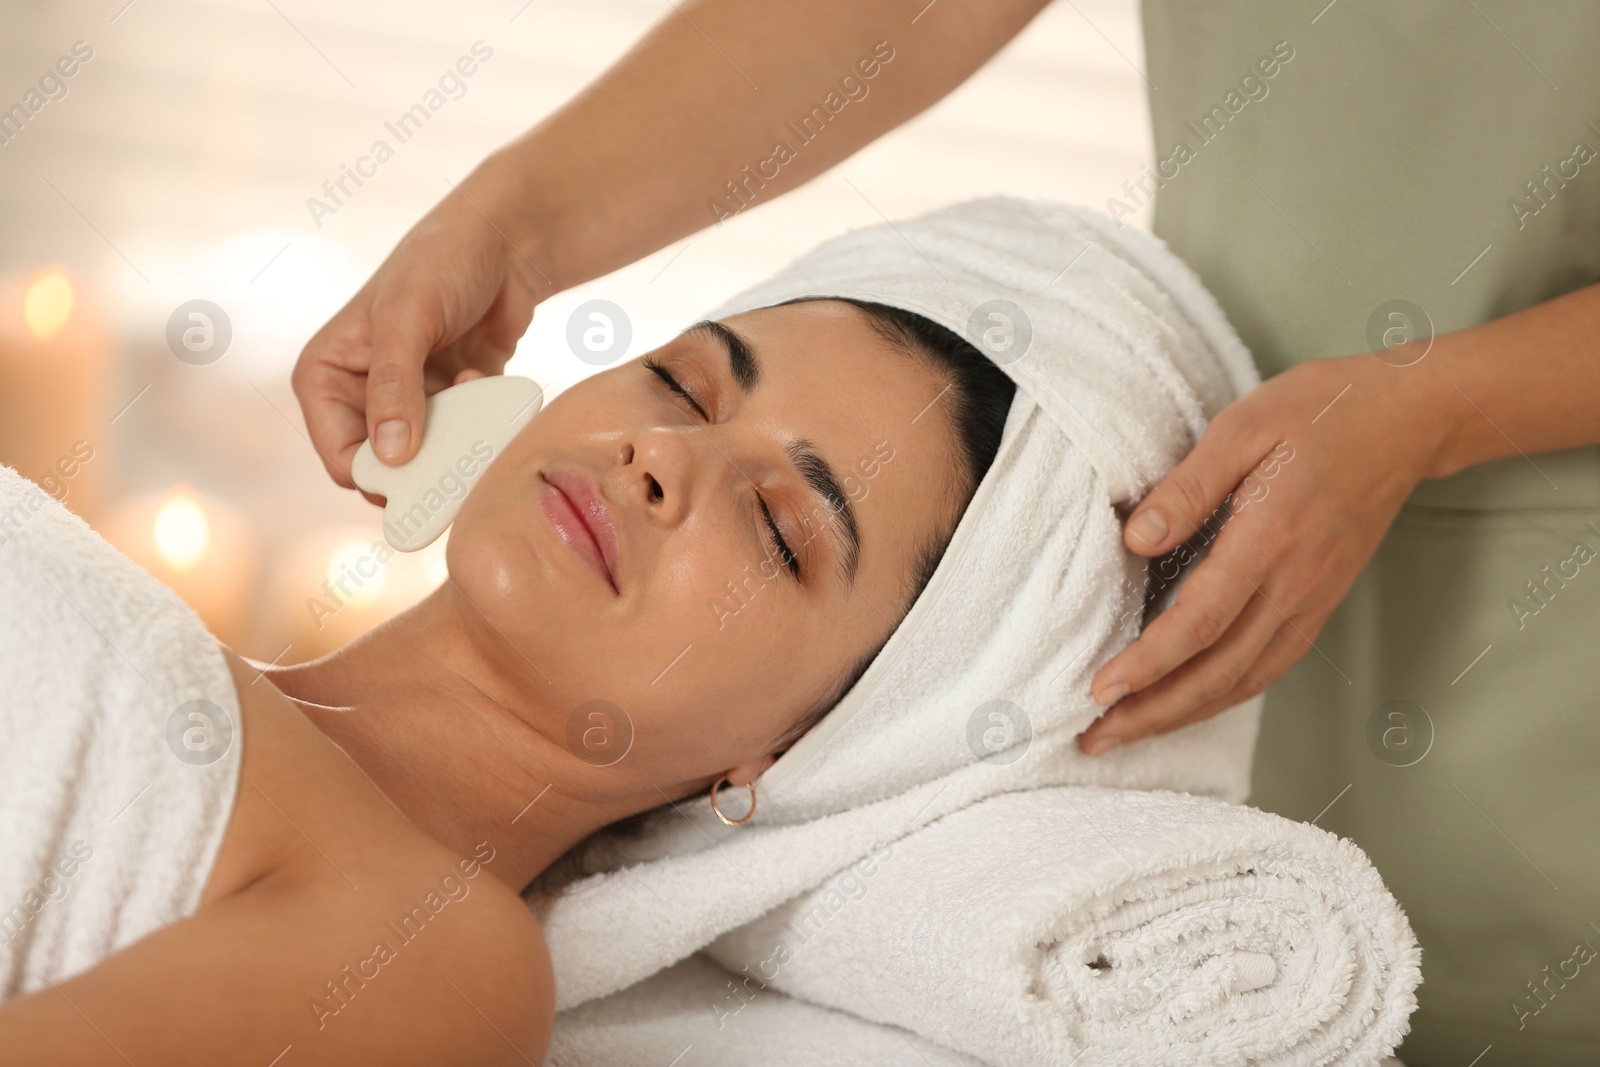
column 107, row 833
column 1076, row 925
column 1095, row 926
column 1120, row 357
column 1126, row 359
column 1017, row 927
column 668, row 1011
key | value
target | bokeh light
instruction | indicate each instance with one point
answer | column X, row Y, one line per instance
column 356, row 571
column 181, row 529
column 48, row 304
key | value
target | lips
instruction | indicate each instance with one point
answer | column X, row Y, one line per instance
column 582, row 520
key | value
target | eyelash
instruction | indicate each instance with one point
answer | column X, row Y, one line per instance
column 787, row 555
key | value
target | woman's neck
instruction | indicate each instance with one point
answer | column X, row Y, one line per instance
column 423, row 706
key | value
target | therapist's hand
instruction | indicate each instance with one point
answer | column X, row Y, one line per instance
column 1316, row 472
column 448, row 304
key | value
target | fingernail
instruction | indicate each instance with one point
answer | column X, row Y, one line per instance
column 389, row 442
column 1149, row 526
column 1101, row 745
column 1114, row 694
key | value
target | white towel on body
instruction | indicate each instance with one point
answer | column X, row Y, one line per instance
column 1120, row 357
column 119, row 746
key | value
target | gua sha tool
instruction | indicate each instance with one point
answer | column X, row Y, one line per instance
column 467, row 426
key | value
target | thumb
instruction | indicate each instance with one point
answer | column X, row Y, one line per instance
column 1171, row 513
column 396, row 402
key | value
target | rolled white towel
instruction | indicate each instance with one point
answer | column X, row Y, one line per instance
column 676, row 1018
column 1096, row 926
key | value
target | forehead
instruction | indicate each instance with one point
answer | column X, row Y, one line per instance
column 825, row 367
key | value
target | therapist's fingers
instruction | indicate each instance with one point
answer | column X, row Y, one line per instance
column 1287, row 647
column 329, row 380
column 1208, row 603
column 491, row 337
column 403, row 333
column 1170, row 513
column 1198, row 683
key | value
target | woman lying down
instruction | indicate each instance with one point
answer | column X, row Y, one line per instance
column 212, row 861
column 400, row 769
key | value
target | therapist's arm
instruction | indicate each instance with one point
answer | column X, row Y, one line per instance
column 1321, row 457
column 627, row 166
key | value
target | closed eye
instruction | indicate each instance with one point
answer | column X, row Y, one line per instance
column 790, row 560
column 785, row 554
column 672, row 383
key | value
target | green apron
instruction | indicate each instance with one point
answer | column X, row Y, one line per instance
column 1425, row 152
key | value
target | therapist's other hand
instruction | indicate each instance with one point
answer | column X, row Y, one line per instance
column 449, row 303
column 1304, row 474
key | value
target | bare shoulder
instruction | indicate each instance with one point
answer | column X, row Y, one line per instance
column 332, row 931
column 315, row 832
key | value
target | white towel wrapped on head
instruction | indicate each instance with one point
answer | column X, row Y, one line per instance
column 1120, row 357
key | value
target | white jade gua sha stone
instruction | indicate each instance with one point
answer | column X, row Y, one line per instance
column 467, row 426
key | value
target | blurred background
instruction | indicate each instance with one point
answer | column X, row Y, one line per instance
column 161, row 267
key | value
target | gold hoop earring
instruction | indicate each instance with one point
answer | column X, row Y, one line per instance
column 747, row 815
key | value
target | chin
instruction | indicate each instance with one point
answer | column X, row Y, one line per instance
column 495, row 563
column 491, row 559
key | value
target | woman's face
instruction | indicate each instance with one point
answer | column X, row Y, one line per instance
column 703, row 637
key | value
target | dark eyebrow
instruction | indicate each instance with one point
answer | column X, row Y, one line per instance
column 820, row 477
column 745, row 367
column 742, row 362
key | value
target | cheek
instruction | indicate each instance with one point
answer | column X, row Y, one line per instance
column 746, row 626
column 713, row 582
column 725, row 698
column 599, row 402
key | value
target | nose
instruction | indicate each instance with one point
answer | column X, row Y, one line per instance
column 663, row 465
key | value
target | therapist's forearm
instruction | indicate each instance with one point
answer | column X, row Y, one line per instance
column 1525, row 383
column 631, row 163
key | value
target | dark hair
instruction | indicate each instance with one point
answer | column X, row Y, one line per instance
column 976, row 404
